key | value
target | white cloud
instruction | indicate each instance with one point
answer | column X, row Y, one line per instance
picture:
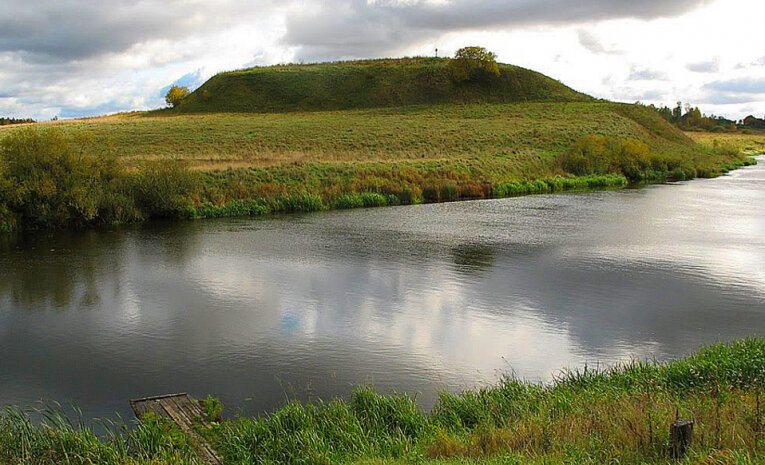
column 75, row 58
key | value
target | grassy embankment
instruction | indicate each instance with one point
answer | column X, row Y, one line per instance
column 620, row 415
column 506, row 136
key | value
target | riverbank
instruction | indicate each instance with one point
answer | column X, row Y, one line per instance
column 132, row 168
column 621, row 414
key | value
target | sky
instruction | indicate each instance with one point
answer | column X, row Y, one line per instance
column 73, row 58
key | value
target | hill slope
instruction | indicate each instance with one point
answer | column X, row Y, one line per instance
column 367, row 84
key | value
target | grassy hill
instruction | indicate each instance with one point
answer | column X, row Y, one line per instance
column 233, row 148
column 367, row 84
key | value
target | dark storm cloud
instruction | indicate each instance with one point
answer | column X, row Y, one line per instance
column 69, row 30
column 48, row 47
column 77, row 29
column 367, row 27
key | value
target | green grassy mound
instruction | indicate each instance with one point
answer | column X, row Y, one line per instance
column 366, row 84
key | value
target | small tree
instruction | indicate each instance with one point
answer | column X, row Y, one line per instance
column 471, row 63
column 175, row 95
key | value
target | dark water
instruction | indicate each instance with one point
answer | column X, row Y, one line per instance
column 413, row 299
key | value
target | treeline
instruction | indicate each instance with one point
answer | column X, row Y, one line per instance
column 690, row 118
column 753, row 122
column 8, row 121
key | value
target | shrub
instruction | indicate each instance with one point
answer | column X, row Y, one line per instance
column 212, row 408
column 175, row 95
column 301, row 202
column 473, row 63
column 166, row 188
column 50, row 180
column 362, row 200
column 601, row 155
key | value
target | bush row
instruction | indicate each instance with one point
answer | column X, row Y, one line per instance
column 598, row 155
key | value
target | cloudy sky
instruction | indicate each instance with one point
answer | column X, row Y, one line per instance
column 72, row 58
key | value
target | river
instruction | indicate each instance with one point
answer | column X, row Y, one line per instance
column 414, row 299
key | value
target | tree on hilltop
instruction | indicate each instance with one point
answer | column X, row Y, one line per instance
column 175, row 95
column 473, row 63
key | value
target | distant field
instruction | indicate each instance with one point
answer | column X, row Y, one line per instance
column 222, row 140
column 751, row 144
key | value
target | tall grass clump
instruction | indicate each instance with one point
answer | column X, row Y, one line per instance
column 166, row 189
column 369, row 425
column 54, row 435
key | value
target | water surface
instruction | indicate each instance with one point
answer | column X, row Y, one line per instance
column 414, row 298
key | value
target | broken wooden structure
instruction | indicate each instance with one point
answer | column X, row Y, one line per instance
column 184, row 412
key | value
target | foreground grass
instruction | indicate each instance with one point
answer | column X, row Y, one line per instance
column 136, row 167
column 620, row 415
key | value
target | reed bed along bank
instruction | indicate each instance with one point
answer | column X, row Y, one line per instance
column 618, row 415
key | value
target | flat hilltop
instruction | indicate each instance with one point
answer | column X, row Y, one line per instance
column 368, row 84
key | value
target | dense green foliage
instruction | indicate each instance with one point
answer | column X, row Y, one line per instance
column 617, row 415
column 48, row 179
column 474, row 63
column 367, row 84
column 175, row 95
column 593, row 155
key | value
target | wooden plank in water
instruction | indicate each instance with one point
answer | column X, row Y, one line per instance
column 184, row 412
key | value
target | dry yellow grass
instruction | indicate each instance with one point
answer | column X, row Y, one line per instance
column 751, row 144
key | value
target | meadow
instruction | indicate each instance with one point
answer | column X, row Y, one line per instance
column 162, row 164
column 619, row 415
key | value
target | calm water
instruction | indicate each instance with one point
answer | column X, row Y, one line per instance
column 415, row 299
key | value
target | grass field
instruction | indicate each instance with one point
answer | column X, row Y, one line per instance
column 617, row 416
column 339, row 135
column 751, row 143
column 441, row 132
